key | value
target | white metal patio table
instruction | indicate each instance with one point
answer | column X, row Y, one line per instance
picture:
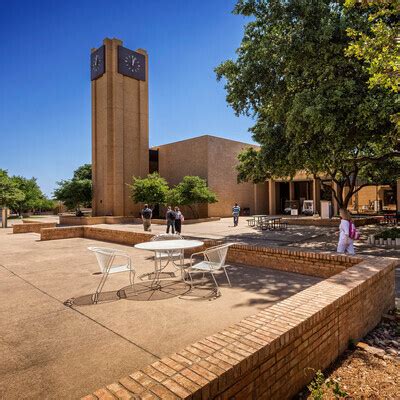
column 169, row 247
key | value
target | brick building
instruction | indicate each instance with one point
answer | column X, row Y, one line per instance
column 120, row 150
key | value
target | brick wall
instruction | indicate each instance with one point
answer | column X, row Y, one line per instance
column 315, row 264
column 329, row 222
column 322, row 265
column 35, row 227
column 61, row 233
column 115, row 236
column 272, row 354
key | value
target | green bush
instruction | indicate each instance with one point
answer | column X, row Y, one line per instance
column 392, row 233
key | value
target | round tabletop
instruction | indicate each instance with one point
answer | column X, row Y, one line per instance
column 165, row 245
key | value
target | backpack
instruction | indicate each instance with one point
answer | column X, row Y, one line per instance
column 146, row 213
column 171, row 215
column 353, row 232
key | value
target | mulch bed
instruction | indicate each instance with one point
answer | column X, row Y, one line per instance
column 370, row 371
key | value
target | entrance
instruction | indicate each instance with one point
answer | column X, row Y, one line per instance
column 282, row 196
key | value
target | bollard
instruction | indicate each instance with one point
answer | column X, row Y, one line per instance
column 371, row 239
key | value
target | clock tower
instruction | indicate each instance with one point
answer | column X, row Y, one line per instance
column 120, row 126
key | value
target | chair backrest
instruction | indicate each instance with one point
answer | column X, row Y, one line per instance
column 103, row 255
column 167, row 236
column 217, row 255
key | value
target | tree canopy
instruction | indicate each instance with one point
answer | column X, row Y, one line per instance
column 33, row 198
column 154, row 190
column 9, row 192
column 151, row 190
column 313, row 108
column 378, row 45
column 191, row 192
column 83, row 172
column 76, row 192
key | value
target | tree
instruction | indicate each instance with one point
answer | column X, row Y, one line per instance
column 33, row 196
column 377, row 45
column 76, row 192
column 313, row 108
column 83, row 172
column 9, row 192
column 191, row 192
column 151, row 190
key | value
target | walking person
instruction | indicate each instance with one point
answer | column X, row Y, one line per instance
column 170, row 217
column 146, row 214
column 235, row 214
column 179, row 218
column 347, row 233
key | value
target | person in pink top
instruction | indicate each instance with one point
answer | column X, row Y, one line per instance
column 345, row 244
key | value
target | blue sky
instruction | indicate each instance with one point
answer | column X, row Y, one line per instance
column 45, row 105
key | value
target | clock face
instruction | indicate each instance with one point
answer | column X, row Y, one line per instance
column 131, row 63
column 97, row 63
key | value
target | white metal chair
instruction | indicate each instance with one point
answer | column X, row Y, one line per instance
column 214, row 260
column 163, row 254
column 105, row 258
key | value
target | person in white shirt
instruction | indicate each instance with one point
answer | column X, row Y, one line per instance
column 345, row 244
column 178, row 220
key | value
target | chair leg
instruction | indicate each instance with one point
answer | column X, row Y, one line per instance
column 100, row 287
column 103, row 280
column 191, row 279
column 227, row 277
column 132, row 279
column 216, row 284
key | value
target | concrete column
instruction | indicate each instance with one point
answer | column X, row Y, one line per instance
column 272, row 196
column 291, row 190
column 317, row 195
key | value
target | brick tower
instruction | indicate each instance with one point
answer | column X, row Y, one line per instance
column 120, row 125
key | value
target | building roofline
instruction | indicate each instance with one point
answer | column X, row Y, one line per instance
column 203, row 136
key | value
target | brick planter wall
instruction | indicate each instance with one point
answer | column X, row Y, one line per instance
column 115, row 236
column 322, row 265
column 306, row 263
column 29, row 226
column 61, row 233
column 329, row 222
column 272, row 354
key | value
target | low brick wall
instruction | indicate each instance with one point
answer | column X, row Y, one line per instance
column 272, row 354
column 323, row 265
column 71, row 220
column 116, row 236
column 329, row 222
column 62, row 233
column 30, row 226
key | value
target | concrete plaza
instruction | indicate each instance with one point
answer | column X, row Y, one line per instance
column 56, row 344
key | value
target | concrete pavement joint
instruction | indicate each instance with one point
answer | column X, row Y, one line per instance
column 79, row 312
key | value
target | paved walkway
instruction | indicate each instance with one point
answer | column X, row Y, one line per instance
column 49, row 350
